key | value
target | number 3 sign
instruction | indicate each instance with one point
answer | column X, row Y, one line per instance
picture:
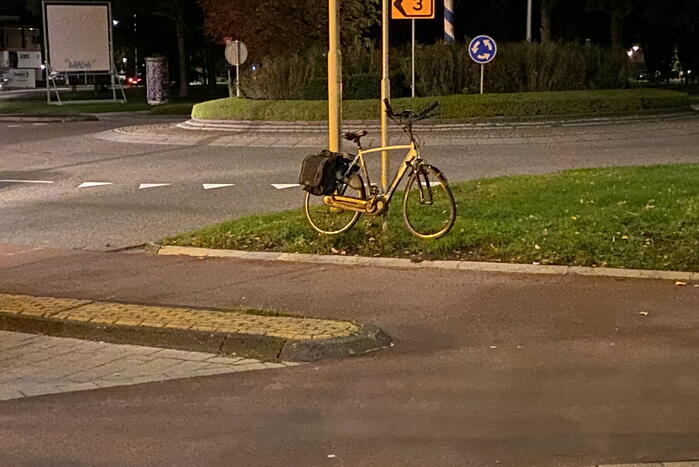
column 412, row 9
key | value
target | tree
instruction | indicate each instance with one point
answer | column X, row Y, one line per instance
column 182, row 14
column 270, row 27
column 618, row 10
column 177, row 12
column 546, row 11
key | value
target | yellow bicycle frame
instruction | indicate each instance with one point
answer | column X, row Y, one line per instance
column 372, row 204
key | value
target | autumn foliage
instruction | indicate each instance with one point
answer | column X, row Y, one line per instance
column 271, row 27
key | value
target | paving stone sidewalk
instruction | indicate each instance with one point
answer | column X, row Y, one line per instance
column 32, row 365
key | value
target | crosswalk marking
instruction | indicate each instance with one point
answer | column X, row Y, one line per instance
column 26, row 181
column 143, row 186
column 213, row 186
column 93, row 184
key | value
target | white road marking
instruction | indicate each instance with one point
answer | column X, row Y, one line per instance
column 13, row 126
column 143, row 186
column 39, row 124
column 26, row 181
column 91, row 184
column 213, row 186
column 281, row 186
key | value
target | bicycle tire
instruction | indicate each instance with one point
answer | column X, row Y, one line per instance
column 333, row 221
column 429, row 209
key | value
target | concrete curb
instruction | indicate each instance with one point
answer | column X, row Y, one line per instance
column 408, row 264
column 48, row 119
column 485, row 124
column 260, row 346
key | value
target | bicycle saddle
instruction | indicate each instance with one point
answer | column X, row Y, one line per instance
column 355, row 135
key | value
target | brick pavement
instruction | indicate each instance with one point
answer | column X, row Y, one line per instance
column 32, row 365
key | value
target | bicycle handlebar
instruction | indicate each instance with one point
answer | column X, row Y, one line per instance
column 408, row 114
column 429, row 109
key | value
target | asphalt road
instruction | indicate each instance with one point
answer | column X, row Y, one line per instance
column 487, row 370
column 120, row 214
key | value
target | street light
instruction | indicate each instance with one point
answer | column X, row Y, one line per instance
column 115, row 22
column 529, row 20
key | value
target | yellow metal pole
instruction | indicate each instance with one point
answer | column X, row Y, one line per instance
column 385, row 91
column 334, row 78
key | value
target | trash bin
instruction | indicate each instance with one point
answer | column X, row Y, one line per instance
column 157, row 80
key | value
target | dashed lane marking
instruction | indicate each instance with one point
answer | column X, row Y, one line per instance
column 26, row 181
column 213, row 186
column 93, row 184
column 143, row 186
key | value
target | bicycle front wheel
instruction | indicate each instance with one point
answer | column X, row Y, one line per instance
column 330, row 220
column 429, row 210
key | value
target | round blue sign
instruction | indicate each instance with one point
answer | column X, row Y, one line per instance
column 482, row 49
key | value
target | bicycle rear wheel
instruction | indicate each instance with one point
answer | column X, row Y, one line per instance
column 429, row 209
column 330, row 220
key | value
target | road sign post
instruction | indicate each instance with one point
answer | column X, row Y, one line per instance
column 385, row 91
column 412, row 62
column 236, row 54
column 482, row 50
column 412, row 10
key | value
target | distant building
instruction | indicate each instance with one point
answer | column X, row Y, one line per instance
column 20, row 54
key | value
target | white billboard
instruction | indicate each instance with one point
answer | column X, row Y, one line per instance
column 28, row 59
column 22, row 78
column 78, row 36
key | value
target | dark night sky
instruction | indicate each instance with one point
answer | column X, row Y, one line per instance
column 11, row 6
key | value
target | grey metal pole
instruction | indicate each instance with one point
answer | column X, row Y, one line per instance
column 413, row 61
column 237, row 69
column 529, row 20
column 135, row 47
column 482, row 71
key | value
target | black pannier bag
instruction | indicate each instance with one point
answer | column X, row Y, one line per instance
column 320, row 172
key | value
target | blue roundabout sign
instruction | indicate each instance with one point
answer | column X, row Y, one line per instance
column 482, row 49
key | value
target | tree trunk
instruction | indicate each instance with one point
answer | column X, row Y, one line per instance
column 210, row 53
column 617, row 28
column 545, row 21
column 182, row 51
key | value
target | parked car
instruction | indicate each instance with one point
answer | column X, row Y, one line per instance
column 134, row 80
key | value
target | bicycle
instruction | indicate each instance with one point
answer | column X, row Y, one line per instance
column 429, row 209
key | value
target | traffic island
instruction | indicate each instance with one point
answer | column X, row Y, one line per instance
column 262, row 336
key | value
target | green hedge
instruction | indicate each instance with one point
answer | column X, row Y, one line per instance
column 443, row 69
column 460, row 107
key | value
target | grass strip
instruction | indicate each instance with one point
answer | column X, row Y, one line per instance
column 461, row 107
column 628, row 217
column 136, row 101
